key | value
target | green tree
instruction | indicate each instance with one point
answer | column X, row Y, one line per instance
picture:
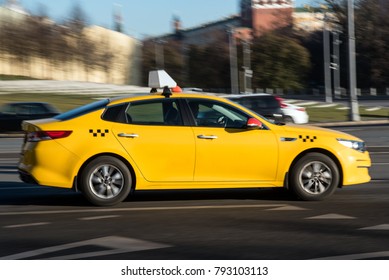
column 372, row 39
column 209, row 66
column 279, row 62
column 172, row 55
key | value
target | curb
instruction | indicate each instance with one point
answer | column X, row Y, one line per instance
column 351, row 123
column 11, row 135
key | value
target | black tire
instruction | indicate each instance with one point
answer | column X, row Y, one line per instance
column 288, row 119
column 314, row 177
column 105, row 181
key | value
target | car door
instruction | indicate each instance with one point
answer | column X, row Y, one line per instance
column 226, row 150
column 156, row 139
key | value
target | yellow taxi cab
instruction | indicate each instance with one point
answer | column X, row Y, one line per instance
column 111, row 147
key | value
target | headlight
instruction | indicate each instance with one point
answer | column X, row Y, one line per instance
column 356, row 145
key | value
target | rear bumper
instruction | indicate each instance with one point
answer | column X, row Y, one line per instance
column 26, row 177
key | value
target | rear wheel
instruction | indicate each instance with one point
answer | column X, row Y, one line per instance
column 314, row 177
column 288, row 119
column 105, row 181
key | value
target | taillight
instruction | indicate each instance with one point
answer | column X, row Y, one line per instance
column 281, row 102
column 37, row 136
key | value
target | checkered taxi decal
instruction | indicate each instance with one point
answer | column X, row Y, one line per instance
column 307, row 138
column 99, row 132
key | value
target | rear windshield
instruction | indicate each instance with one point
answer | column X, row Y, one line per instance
column 82, row 110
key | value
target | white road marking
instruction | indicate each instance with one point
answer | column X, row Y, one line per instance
column 343, row 108
column 287, row 208
column 330, row 217
column 110, row 245
column 372, row 255
column 305, row 103
column 27, row 225
column 106, row 210
column 378, row 227
column 98, row 218
column 325, row 106
column 373, row 109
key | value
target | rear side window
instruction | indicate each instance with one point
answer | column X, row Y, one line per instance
column 270, row 101
column 262, row 102
column 258, row 102
column 156, row 112
column 34, row 109
column 82, row 110
column 116, row 113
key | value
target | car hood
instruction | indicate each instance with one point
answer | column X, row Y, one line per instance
column 297, row 128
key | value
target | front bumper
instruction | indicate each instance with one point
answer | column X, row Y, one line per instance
column 356, row 168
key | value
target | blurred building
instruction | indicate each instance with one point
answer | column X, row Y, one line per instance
column 255, row 18
column 59, row 54
column 308, row 19
column 11, row 11
column 265, row 15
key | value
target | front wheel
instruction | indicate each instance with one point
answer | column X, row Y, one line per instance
column 314, row 177
column 105, row 181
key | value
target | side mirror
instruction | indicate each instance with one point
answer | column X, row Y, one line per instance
column 253, row 123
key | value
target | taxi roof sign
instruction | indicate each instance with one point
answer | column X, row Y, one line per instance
column 160, row 79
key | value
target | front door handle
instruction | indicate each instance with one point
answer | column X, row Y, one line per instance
column 128, row 135
column 207, row 136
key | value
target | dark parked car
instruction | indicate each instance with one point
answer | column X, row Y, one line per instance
column 264, row 104
column 12, row 114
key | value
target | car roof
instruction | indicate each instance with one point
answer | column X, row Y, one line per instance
column 246, row 95
column 158, row 95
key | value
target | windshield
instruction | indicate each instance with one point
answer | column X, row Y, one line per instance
column 257, row 114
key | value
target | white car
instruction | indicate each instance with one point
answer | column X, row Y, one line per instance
column 294, row 114
column 192, row 90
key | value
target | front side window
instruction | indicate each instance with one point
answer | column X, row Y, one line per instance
column 209, row 113
column 155, row 112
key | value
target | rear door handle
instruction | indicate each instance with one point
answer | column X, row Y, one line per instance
column 207, row 136
column 128, row 135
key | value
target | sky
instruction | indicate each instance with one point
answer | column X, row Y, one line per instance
column 141, row 18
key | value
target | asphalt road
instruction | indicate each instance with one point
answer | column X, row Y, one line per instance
column 48, row 223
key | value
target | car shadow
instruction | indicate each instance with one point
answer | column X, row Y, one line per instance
column 276, row 194
column 18, row 193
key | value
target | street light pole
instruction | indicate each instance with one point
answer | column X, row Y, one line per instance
column 233, row 62
column 326, row 56
column 327, row 69
column 354, row 108
column 336, row 64
column 248, row 73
